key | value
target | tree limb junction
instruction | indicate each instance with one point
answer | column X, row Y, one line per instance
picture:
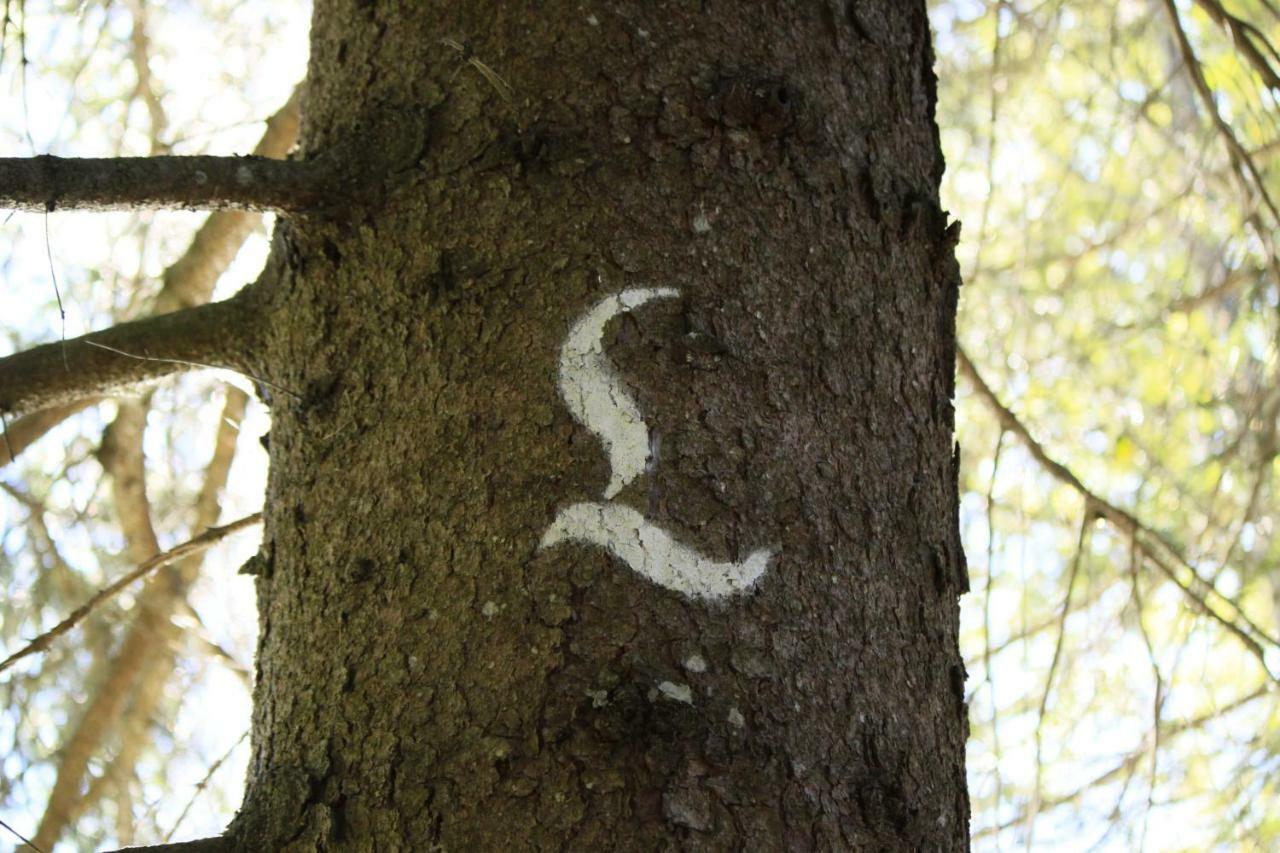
column 220, row 334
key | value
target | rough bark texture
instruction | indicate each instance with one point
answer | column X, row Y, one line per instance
column 428, row 677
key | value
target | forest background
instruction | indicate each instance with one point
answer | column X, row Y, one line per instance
column 1116, row 165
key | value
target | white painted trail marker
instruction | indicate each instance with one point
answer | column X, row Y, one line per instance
column 596, row 396
column 597, row 399
column 652, row 552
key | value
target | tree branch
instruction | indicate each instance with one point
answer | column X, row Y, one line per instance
column 146, row 659
column 22, row 433
column 1157, row 549
column 221, row 334
column 104, row 708
column 217, row 844
column 1243, row 34
column 205, row 540
column 122, row 458
column 189, row 281
column 1031, row 811
column 191, row 278
column 135, row 724
column 47, row 183
column 1240, row 156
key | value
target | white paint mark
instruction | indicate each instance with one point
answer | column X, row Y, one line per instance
column 736, row 719
column 695, row 663
column 597, row 400
column 676, row 692
column 652, row 552
column 593, row 20
column 596, row 397
column 701, row 224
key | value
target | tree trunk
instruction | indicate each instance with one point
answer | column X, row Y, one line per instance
column 689, row 585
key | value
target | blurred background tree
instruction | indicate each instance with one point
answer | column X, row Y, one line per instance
column 1116, row 164
column 1116, row 168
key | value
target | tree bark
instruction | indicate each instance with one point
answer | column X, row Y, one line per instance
column 746, row 194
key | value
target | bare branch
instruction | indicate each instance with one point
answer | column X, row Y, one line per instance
column 201, row 845
column 151, row 626
column 204, row 783
column 128, row 472
column 48, row 183
column 188, row 282
column 140, row 42
column 190, row 279
column 26, row 841
column 1248, row 39
column 23, row 432
column 122, row 457
column 145, row 661
column 1170, row 731
column 1038, row 791
column 221, row 334
column 1240, row 157
column 205, row 540
column 1162, row 553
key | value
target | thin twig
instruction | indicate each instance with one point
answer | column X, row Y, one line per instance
column 1239, row 154
column 1157, row 706
column 993, row 115
column 62, row 311
column 1053, row 669
column 1171, row 731
column 986, row 617
column 1156, row 548
column 201, row 785
column 200, row 364
column 205, row 540
column 4, row 31
column 23, row 62
column 21, row 837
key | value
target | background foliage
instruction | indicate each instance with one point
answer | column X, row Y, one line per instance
column 1116, row 164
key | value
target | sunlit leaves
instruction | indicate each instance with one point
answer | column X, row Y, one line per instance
column 1122, row 300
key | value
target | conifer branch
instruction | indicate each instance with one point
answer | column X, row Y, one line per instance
column 47, row 183
column 217, row 844
column 1153, row 547
column 205, row 540
column 189, row 281
column 220, row 334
